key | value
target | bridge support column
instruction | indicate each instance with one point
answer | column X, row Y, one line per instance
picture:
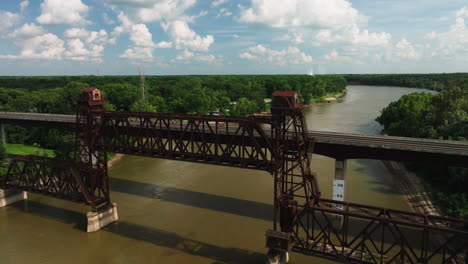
column 2, row 131
column 339, row 190
column 275, row 256
column 10, row 196
column 105, row 216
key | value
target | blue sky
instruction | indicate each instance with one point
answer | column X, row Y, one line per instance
column 109, row 37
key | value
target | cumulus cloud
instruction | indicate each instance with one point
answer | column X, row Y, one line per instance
column 351, row 34
column 78, row 44
column 454, row 42
column 71, row 12
column 224, row 12
column 294, row 13
column 218, row 3
column 84, row 45
column 263, row 54
column 27, row 30
column 8, row 20
column 23, row 5
column 107, row 19
column 153, row 10
column 188, row 56
column 332, row 21
column 405, row 50
column 335, row 56
column 293, row 37
column 46, row 46
column 142, row 40
column 463, row 12
column 184, row 37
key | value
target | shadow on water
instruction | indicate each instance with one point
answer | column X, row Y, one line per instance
column 380, row 183
column 172, row 240
column 154, row 236
column 192, row 198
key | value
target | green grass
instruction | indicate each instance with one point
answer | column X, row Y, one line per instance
column 318, row 100
column 22, row 150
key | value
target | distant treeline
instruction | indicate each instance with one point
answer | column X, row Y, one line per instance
column 177, row 94
column 436, row 82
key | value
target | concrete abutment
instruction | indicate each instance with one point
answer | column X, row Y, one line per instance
column 9, row 196
column 101, row 218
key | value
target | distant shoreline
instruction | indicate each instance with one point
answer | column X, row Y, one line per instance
column 329, row 99
column 117, row 157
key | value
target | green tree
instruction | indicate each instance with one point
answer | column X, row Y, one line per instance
column 142, row 106
column 406, row 117
column 3, row 153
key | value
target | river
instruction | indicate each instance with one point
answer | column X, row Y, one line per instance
column 179, row 212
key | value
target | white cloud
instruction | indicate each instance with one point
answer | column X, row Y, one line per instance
column 463, row 12
column 153, row 10
column 187, row 57
column 263, row 54
column 185, row 38
column 84, row 45
column 23, row 5
column 8, row 20
column 224, row 12
column 452, row 44
column 46, row 46
column 335, row 56
column 293, row 37
column 107, row 19
column 27, row 30
column 405, row 50
column 80, row 44
column 142, row 40
column 315, row 22
column 218, row 2
column 71, row 12
column 294, row 13
column 351, row 34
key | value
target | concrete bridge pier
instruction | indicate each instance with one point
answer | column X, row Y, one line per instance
column 9, row 196
column 339, row 190
column 103, row 217
column 275, row 256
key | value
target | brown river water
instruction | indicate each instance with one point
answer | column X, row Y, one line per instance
column 179, row 212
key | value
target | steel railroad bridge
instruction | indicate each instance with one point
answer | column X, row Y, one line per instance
column 341, row 146
column 279, row 144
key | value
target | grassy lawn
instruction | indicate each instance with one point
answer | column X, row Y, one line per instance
column 22, row 150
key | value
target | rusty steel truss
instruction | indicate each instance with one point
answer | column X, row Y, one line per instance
column 302, row 221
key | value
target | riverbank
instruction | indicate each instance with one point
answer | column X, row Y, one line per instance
column 116, row 158
column 327, row 99
column 412, row 188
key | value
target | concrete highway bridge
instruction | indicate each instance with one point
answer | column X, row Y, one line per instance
column 279, row 144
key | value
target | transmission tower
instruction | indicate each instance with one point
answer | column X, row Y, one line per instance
column 142, row 84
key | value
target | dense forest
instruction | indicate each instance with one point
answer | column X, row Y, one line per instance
column 440, row 116
column 176, row 94
column 431, row 81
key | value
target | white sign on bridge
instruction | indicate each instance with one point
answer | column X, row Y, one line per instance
column 338, row 191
